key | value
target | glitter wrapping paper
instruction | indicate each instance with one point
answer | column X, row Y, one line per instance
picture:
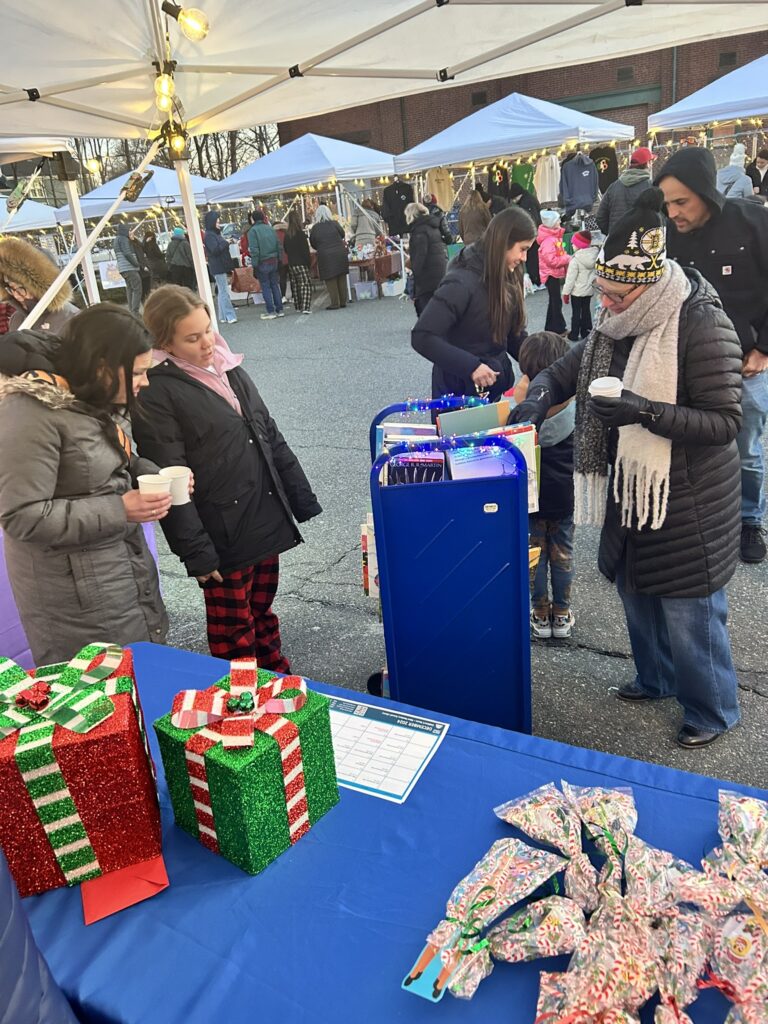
column 509, row 872
column 111, row 782
column 247, row 794
column 546, row 816
column 610, row 817
column 548, row 927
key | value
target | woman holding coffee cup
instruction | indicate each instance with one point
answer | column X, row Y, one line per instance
column 658, row 407
column 203, row 411
column 77, row 559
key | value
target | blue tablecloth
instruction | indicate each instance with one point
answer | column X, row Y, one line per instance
column 328, row 931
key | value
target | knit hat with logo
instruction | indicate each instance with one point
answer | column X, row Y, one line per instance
column 635, row 251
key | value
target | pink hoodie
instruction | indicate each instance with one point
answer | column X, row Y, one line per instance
column 215, row 378
column 553, row 259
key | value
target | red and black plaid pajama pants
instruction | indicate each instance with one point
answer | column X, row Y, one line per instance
column 241, row 623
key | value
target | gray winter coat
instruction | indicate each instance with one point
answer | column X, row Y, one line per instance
column 734, row 183
column 78, row 569
column 365, row 226
column 126, row 254
column 621, row 196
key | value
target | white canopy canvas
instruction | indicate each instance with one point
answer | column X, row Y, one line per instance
column 742, row 93
column 305, row 161
column 161, row 190
column 14, row 150
column 515, row 124
column 86, row 70
column 30, row 217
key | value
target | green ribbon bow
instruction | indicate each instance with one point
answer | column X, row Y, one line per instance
column 471, row 926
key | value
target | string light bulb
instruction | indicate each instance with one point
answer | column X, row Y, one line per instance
column 93, row 165
column 192, row 21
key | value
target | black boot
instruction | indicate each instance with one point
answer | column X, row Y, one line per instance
column 752, row 544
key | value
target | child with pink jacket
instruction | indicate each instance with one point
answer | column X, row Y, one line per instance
column 553, row 264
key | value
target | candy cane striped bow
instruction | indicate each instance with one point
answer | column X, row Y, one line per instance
column 65, row 697
column 233, row 713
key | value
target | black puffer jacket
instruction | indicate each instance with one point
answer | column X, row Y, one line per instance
column 27, row 350
column 695, row 551
column 454, row 331
column 429, row 259
column 327, row 239
column 249, row 485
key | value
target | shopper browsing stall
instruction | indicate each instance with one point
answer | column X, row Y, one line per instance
column 553, row 264
column 76, row 556
column 219, row 265
column 477, row 313
column 265, row 251
column 658, row 466
column 203, row 411
column 426, row 252
column 474, row 217
column 579, row 284
column 299, row 262
column 327, row 239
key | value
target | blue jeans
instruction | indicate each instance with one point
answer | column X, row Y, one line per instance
column 226, row 309
column 269, row 279
column 754, row 407
column 555, row 538
column 682, row 649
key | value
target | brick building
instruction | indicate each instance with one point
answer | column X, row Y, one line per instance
column 625, row 90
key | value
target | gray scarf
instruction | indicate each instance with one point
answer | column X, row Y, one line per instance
column 641, row 472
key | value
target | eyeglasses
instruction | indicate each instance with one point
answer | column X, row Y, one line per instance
column 614, row 296
column 16, row 289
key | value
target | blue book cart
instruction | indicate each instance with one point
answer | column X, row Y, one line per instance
column 453, row 576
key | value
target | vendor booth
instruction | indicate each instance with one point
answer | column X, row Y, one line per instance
column 31, row 217
column 736, row 97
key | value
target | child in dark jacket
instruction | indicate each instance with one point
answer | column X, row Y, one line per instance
column 205, row 412
column 551, row 528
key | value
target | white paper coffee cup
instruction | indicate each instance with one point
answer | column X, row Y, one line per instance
column 153, row 483
column 179, row 477
column 606, row 387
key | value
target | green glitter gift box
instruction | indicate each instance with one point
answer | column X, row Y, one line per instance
column 249, row 763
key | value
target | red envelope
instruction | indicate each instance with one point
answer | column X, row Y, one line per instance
column 117, row 890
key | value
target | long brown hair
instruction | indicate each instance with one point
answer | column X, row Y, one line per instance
column 295, row 226
column 506, row 304
column 165, row 306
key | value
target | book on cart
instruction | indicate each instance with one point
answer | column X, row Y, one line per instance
column 473, row 420
column 482, row 461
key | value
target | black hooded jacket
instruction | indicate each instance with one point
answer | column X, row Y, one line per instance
column 454, row 331
column 21, row 351
column 730, row 250
column 429, row 259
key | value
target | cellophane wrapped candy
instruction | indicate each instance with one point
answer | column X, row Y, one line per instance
column 743, row 825
column 508, row 873
column 745, row 876
column 553, row 1006
column 740, row 968
column 548, row 927
column 681, row 946
column 546, row 816
column 610, row 817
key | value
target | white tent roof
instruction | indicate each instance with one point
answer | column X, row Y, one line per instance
column 161, row 190
column 304, row 161
column 14, row 150
column 742, row 93
column 93, row 76
column 512, row 125
column 31, row 216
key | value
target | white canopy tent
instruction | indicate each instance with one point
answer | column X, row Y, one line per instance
column 31, row 217
column 512, row 125
column 94, row 76
column 16, row 149
column 742, row 93
column 304, row 161
column 161, row 190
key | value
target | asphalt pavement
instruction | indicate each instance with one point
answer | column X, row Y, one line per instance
column 324, row 377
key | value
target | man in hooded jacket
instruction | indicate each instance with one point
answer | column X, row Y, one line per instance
column 726, row 240
column 622, row 194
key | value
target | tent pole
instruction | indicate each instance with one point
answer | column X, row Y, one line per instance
column 42, row 303
column 195, row 239
column 340, row 209
column 78, row 225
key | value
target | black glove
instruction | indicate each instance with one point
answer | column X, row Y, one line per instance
column 534, row 409
column 629, row 408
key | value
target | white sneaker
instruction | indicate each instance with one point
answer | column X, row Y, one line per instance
column 232, row 321
column 540, row 628
column 269, row 316
column 281, row 313
column 306, row 312
column 562, row 625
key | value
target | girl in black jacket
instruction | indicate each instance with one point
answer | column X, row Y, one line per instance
column 477, row 313
column 203, row 411
column 426, row 252
column 296, row 246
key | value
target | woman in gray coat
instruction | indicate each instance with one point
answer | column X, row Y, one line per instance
column 77, row 560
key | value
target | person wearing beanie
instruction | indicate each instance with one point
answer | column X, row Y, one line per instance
column 178, row 256
column 657, row 465
column 733, row 181
column 758, row 172
column 622, row 194
column 553, row 263
column 26, row 274
column 579, row 284
column 726, row 240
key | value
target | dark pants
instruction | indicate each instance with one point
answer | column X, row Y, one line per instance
column 301, row 288
column 184, row 276
column 269, row 279
column 337, row 291
column 282, row 271
column 132, row 280
column 581, row 317
column 532, row 264
column 555, row 319
column 240, row 620
column 555, row 538
column 420, row 302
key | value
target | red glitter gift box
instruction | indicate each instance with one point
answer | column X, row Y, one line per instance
column 77, row 781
